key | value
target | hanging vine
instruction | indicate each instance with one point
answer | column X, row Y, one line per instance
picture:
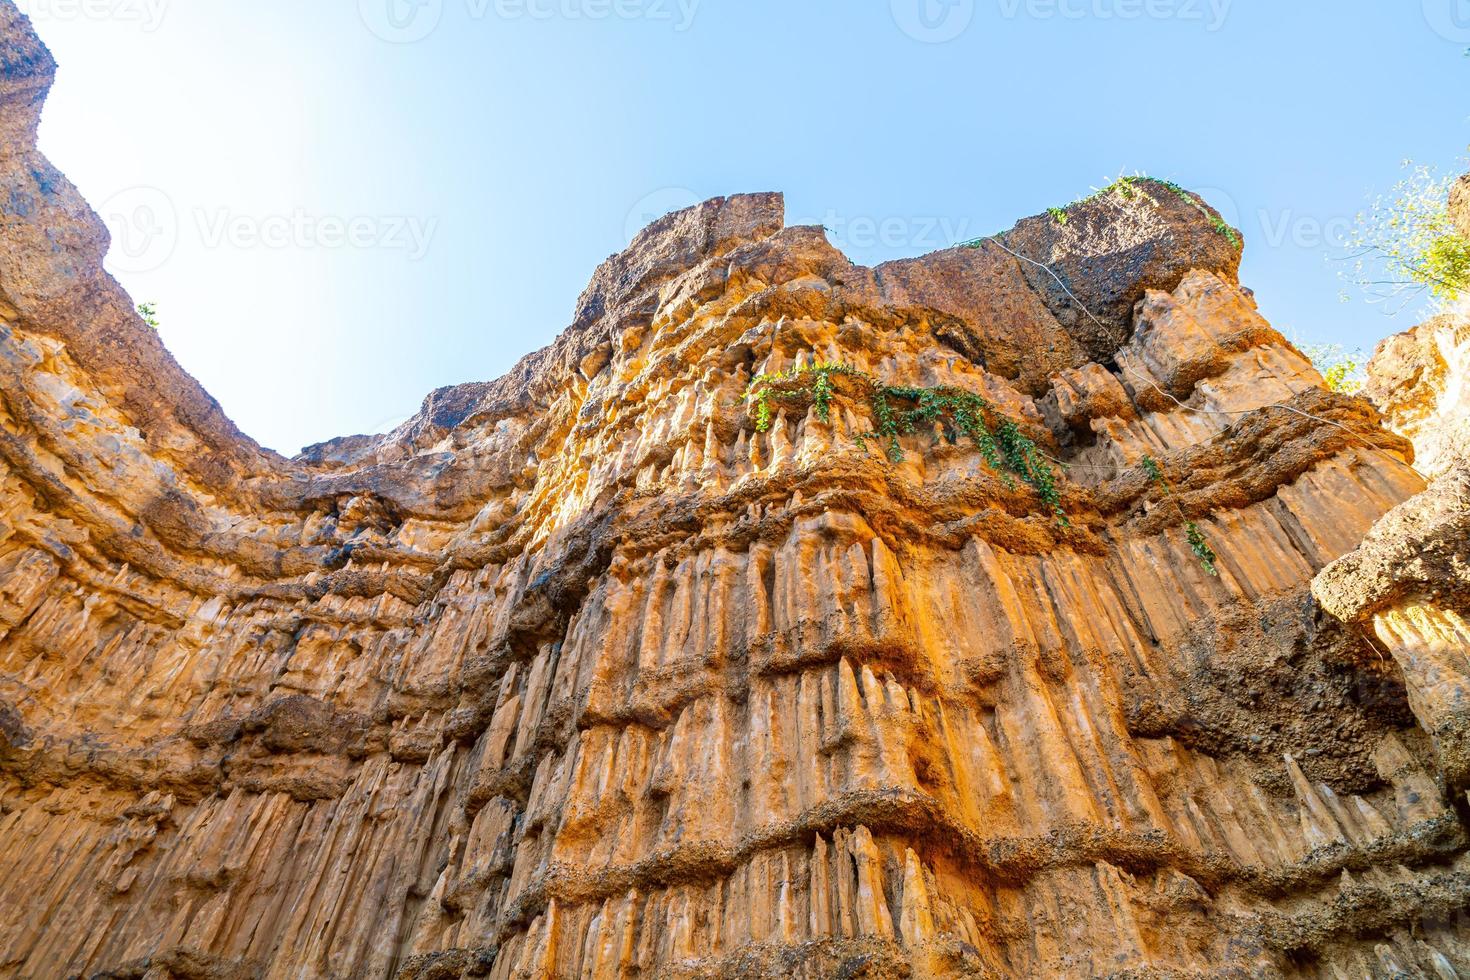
column 1197, row 541
column 900, row 411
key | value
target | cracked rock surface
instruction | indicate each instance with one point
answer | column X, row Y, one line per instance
column 579, row 673
column 1408, row 584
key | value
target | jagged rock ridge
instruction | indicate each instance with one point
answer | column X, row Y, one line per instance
column 577, row 673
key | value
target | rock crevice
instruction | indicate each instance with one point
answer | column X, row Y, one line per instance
column 583, row 672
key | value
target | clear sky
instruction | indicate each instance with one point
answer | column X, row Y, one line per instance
column 339, row 205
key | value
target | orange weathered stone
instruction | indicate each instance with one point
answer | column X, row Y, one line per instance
column 577, row 673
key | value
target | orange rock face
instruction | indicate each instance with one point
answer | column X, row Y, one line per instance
column 1409, row 582
column 583, row 672
column 1420, row 380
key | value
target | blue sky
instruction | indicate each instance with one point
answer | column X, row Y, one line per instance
column 339, row 205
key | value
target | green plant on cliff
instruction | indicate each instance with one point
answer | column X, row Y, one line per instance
column 1407, row 244
column 1197, row 541
column 149, row 313
column 1342, row 370
column 1127, row 187
column 898, row 411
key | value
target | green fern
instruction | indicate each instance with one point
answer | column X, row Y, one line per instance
column 1197, row 541
column 901, row 411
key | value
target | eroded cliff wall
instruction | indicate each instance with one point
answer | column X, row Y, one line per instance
column 578, row 673
column 1409, row 582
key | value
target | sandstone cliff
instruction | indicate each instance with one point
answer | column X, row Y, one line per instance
column 1409, row 582
column 588, row 672
column 1420, row 381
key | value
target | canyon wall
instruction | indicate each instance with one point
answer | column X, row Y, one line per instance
column 1409, row 582
column 587, row 671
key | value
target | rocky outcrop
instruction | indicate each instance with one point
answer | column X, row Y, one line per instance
column 1460, row 205
column 1420, row 381
column 1409, row 582
column 51, row 250
column 588, row 672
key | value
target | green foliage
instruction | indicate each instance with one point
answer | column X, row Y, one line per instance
column 1127, row 187
column 1201, row 548
column 767, row 388
column 1197, row 541
column 1343, row 370
column 1446, row 265
column 900, row 411
column 1338, row 378
column 1407, row 244
column 149, row 313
